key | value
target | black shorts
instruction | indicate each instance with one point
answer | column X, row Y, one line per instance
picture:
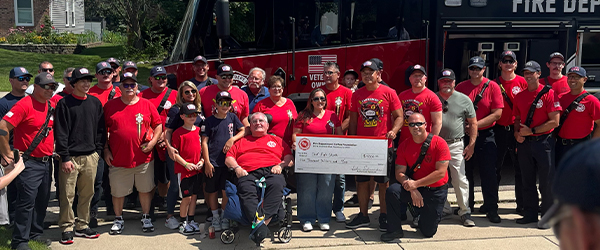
column 161, row 175
column 190, row 186
column 217, row 182
column 391, row 158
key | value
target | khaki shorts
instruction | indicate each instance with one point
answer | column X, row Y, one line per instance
column 123, row 179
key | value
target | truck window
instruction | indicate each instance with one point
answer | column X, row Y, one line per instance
column 317, row 23
column 590, row 51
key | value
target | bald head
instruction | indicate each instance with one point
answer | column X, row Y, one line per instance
column 416, row 117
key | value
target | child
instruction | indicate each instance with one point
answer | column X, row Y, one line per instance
column 218, row 137
column 350, row 79
column 188, row 165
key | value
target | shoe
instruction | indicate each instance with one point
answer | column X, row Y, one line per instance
column 324, row 226
column 117, row 227
column 527, row 220
column 519, row 211
column 466, row 220
column 370, row 203
column 186, row 228
column 455, row 212
column 172, row 223
column 196, row 226
column 415, row 222
column 543, row 226
column 391, row 236
column 383, row 225
column 340, row 217
column 224, row 224
column 307, row 227
column 493, row 217
column 260, row 234
column 87, row 233
column 359, row 221
column 147, row 224
column 483, row 210
column 93, row 219
column 66, row 238
column 216, row 223
column 352, row 201
column 162, row 204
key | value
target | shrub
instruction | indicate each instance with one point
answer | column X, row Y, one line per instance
column 113, row 37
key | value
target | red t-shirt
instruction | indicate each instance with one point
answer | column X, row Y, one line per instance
column 27, row 117
column 283, row 117
column 188, row 143
column 374, row 110
column 492, row 97
column 102, row 94
column 155, row 99
column 239, row 105
column 512, row 88
column 252, row 153
column 424, row 103
column 560, row 86
column 57, row 97
column 127, row 125
column 323, row 125
column 408, row 153
column 547, row 104
column 338, row 100
column 580, row 122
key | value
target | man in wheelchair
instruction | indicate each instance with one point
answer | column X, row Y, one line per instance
column 254, row 158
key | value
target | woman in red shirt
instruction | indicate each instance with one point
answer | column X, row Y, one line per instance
column 315, row 191
column 280, row 108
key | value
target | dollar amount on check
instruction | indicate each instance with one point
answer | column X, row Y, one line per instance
column 332, row 154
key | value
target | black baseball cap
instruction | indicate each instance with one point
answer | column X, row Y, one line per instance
column 129, row 64
column 188, row 108
column 19, row 71
column 223, row 95
column 369, row 64
column 113, row 60
column 377, row 62
column 224, row 69
column 416, row 67
column 510, row 54
column 158, row 70
column 532, row 66
column 80, row 73
column 556, row 54
column 351, row 72
column 128, row 75
column 200, row 58
column 577, row 70
column 447, row 74
column 102, row 66
column 44, row 78
column 477, row 61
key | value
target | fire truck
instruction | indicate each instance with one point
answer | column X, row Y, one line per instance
column 293, row 38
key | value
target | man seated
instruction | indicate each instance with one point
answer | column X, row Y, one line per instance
column 424, row 186
column 255, row 156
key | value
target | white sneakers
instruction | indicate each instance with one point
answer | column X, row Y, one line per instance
column 307, row 227
column 324, row 226
column 172, row 223
column 340, row 217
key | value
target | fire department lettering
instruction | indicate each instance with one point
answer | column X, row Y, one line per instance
column 371, row 112
column 549, row 6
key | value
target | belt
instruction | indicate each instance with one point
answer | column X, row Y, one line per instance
column 41, row 159
column 537, row 137
column 450, row 141
column 567, row 142
column 445, row 186
column 507, row 128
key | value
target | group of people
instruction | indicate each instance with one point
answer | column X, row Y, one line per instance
column 188, row 140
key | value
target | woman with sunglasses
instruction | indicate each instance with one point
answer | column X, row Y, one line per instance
column 187, row 93
column 280, row 108
column 315, row 191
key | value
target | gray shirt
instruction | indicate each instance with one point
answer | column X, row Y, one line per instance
column 460, row 108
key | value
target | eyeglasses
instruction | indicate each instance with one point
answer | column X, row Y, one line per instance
column 508, row 61
column 255, row 79
column 319, row 98
column 189, row 92
column 257, row 121
column 191, row 115
column 474, row 68
column 416, row 124
column 129, row 85
column 445, row 107
column 49, row 70
column 277, row 87
column 226, row 77
column 49, row 86
column 328, row 73
column 160, row 77
column 224, row 103
column 23, row 78
column 105, row 72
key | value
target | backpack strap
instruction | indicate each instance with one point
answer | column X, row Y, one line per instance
column 506, row 98
column 534, row 104
column 480, row 95
column 112, row 94
column 410, row 171
column 161, row 106
column 565, row 114
column 41, row 134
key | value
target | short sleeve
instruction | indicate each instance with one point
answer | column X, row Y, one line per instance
column 594, row 107
column 442, row 151
column 16, row 114
column 353, row 102
column 553, row 104
column 436, row 104
column 469, row 108
column 155, row 117
column 497, row 100
column 173, row 113
column 395, row 103
column 400, row 158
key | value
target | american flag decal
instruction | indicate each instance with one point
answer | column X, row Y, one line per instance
column 315, row 63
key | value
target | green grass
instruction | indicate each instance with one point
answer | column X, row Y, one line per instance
column 89, row 58
column 6, row 235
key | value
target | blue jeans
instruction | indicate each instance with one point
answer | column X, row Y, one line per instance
column 314, row 197
column 338, row 193
column 173, row 191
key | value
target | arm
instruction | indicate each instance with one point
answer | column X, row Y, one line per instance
column 101, row 131
column 190, row 166
column 170, row 149
column 147, row 147
column 61, row 132
column 518, row 136
column 352, row 123
column 490, row 119
column 440, row 171
column 398, row 120
column 552, row 122
column 4, row 146
column 232, row 164
column 415, row 195
column 436, row 120
column 296, row 131
column 11, row 173
column 339, row 131
column 245, row 122
column 241, row 133
column 597, row 130
column 346, row 123
column 472, row 132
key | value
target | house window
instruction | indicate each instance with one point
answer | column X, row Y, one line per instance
column 67, row 6
column 24, row 12
column 72, row 13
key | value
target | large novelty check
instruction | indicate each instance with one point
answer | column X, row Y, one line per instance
column 334, row 154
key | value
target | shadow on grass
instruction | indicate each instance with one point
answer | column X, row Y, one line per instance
column 6, row 235
column 105, row 51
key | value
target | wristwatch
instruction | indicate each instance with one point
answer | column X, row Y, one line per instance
column 532, row 130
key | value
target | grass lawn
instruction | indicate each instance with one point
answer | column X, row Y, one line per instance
column 89, row 58
column 6, row 235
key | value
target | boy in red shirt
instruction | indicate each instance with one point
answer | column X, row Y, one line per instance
column 188, row 165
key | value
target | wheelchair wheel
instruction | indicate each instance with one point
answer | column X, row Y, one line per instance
column 285, row 234
column 227, row 236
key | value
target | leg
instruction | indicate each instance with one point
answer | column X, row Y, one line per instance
column 273, row 193
column 512, row 152
column 27, row 187
column 88, row 166
column 431, row 213
column 145, row 201
column 118, row 205
column 67, row 194
column 363, row 192
column 382, row 205
column 338, row 193
column 528, row 177
column 469, row 168
column 372, row 188
column 502, row 140
column 460, row 183
column 545, row 151
column 106, row 189
column 41, row 204
column 395, row 197
column 306, row 186
column 121, row 182
column 144, row 182
column 487, row 170
column 98, row 177
column 325, row 184
column 184, row 207
column 248, row 195
column 173, row 191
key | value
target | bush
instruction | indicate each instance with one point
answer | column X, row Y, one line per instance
column 114, row 37
column 87, row 37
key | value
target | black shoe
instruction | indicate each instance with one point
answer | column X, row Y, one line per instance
column 162, row 204
column 87, row 233
column 93, row 220
column 260, row 234
column 456, row 211
column 352, row 201
column 371, row 203
column 483, row 210
column 415, row 222
column 493, row 217
column 519, row 210
column 45, row 242
column 527, row 220
column 383, row 225
column 391, row 236
column 47, row 224
column 359, row 221
column 66, row 238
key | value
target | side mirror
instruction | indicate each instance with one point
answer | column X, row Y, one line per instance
column 303, row 80
column 280, row 72
column 222, row 12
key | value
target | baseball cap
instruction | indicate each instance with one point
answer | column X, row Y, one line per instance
column 128, row 75
column 224, row 69
column 351, row 72
column 556, row 54
column 129, row 64
column 447, row 74
column 44, row 78
column 476, row 61
column 532, row 66
column 80, row 73
column 19, row 71
column 577, row 70
column 369, row 64
column 102, row 66
column 188, row 108
column 377, row 62
column 509, row 53
column 576, row 180
column 158, row 70
column 416, row 67
column 200, row 58
column 223, row 95
column 113, row 60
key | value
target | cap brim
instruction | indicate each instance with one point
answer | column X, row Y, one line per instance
column 74, row 80
column 577, row 73
column 447, row 77
column 128, row 67
column 549, row 215
column 530, row 70
column 129, row 78
column 226, row 73
column 476, row 64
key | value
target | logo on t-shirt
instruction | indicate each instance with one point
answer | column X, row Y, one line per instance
column 168, row 105
column 338, row 101
column 410, row 107
column 539, row 104
column 271, row 144
column 139, row 118
column 230, row 126
column 556, row 104
column 580, row 108
column 9, row 114
column 371, row 112
column 516, row 90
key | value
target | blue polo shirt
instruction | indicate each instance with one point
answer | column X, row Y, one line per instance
column 254, row 99
column 6, row 103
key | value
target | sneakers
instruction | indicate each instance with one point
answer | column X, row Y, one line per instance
column 117, row 227
column 196, row 226
column 527, row 220
column 352, row 201
column 66, row 238
column 147, row 224
column 224, row 224
column 466, row 220
column 186, row 228
column 383, row 223
column 340, row 217
column 493, row 217
column 391, row 236
column 415, row 222
column 93, row 220
column 324, row 226
column 172, row 223
column 216, row 223
column 307, row 227
column 359, row 221
column 87, row 233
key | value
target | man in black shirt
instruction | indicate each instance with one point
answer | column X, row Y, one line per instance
column 80, row 137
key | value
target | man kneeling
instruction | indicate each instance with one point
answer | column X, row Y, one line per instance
column 422, row 181
column 256, row 156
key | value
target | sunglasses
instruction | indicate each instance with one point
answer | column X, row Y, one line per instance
column 474, row 68
column 227, row 77
column 320, row 98
column 115, row 67
column 49, row 86
column 445, row 107
column 191, row 115
column 416, row 124
column 189, row 92
column 160, row 77
column 508, row 61
column 23, row 78
column 129, row 85
column 105, row 72
column 328, row 73
column 47, row 70
column 224, row 103
column 574, row 77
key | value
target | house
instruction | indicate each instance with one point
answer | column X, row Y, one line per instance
column 66, row 15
